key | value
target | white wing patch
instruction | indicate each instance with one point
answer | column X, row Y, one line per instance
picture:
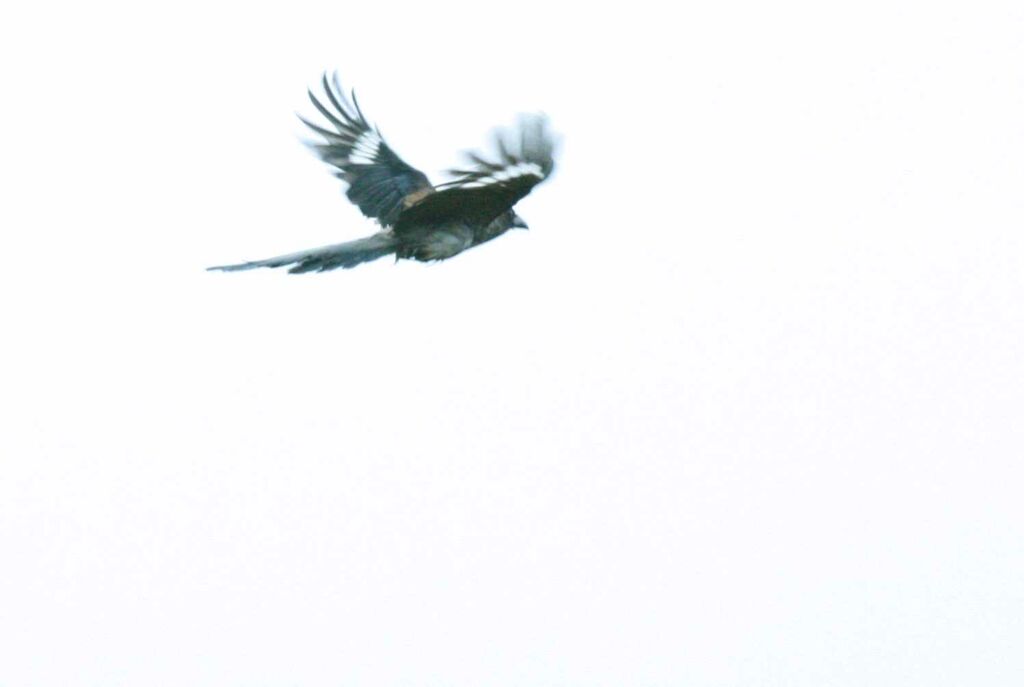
column 364, row 150
column 520, row 169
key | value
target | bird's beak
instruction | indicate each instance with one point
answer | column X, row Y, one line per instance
column 518, row 223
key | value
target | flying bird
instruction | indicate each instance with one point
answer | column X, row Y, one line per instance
column 418, row 220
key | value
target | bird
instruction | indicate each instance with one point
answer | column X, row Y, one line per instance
column 417, row 220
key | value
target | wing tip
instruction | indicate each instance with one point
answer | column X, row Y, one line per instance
column 525, row 151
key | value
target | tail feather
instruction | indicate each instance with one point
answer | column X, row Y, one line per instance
column 343, row 255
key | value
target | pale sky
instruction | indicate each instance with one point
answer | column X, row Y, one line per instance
column 742, row 408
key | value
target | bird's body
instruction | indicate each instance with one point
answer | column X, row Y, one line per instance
column 419, row 221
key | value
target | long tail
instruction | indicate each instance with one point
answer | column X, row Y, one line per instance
column 342, row 255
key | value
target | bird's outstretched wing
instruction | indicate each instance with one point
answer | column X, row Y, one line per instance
column 379, row 182
column 488, row 188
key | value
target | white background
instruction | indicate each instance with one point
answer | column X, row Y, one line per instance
column 742, row 408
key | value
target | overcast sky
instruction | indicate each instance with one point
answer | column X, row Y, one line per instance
column 743, row 407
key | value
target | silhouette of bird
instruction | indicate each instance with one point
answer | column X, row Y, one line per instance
column 418, row 220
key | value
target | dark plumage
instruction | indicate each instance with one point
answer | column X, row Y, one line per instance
column 418, row 220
